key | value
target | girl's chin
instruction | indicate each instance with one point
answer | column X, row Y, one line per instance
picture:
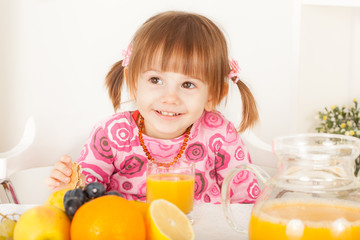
column 165, row 132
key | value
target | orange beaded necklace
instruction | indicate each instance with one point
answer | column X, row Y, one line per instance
column 146, row 151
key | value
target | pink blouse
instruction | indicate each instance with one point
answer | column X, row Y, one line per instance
column 113, row 156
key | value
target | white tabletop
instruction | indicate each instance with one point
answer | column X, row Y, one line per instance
column 209, row 221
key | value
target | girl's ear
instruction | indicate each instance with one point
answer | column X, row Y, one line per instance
column 211, row 105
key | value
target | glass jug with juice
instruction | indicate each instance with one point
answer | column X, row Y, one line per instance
column 315, row 194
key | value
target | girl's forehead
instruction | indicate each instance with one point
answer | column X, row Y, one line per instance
column 174, row 63
column 156, row 69
column 168, row 75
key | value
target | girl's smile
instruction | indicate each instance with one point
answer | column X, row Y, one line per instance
column 171, row 114
column 168, row 115
column 169, row 102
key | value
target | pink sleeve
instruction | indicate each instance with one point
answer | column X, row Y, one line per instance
column 96, row 159
column 230, row 152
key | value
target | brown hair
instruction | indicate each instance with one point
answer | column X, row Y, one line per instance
column 187, row 43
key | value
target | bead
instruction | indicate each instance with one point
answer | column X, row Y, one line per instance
column 150, row 158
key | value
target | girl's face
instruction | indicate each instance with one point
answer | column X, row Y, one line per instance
column 169, row 102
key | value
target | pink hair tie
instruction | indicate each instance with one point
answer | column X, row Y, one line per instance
column 234, row 74
column 126, row 55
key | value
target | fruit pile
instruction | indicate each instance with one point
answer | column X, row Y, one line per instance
column 74, row 199
column 92, row 213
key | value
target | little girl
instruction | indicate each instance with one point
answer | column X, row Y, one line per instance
column 177, row 70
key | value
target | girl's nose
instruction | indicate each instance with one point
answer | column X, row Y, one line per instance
column 170, row 96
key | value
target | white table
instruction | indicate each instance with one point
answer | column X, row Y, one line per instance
column 209, row 221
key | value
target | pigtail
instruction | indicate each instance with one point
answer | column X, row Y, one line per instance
column 250, row 115
column 113, row 82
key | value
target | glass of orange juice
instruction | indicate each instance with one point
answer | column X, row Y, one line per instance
column 174, row 183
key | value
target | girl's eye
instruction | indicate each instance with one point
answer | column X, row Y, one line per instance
column 155, row 80
column 188, row 85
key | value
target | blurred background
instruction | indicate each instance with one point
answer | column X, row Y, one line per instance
column 297, row 57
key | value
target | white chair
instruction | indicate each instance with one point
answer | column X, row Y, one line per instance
column 260, row 151
column 26, row 140
column 7, row 189
column 29, row 185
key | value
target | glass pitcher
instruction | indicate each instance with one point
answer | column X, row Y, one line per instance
column 314, row 195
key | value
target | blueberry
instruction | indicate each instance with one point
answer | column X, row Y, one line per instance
column 71, row 205
column 116, row 193
column 66, row 196
column 75, row 193
column 79, row 194
column 94, row 190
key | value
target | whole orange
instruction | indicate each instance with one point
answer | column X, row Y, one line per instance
column 141, row 206
column 108, row 217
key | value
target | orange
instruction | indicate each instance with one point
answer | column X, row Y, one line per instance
column 141, row 206
column 108, row 217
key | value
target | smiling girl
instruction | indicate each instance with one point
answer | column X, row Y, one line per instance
column 177, row 70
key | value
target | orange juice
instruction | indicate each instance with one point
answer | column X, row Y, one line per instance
column 176, row 188
column 305, row 220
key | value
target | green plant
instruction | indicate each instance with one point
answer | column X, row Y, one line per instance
column 344, row 120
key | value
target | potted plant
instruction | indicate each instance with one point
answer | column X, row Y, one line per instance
column 341, row 120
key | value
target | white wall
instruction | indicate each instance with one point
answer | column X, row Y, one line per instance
column 329, row 69
column 56, row 53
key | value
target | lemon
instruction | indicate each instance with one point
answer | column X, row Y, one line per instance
column 43, row 222
column 166, row 221
column 56, row 198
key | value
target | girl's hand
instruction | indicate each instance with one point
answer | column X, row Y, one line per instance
column 60, row 175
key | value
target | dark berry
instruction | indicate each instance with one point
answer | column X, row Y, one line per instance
column 71, row 205
column 79, row 194
column 94, row 190
column 116, row 193
column 75, row 193
column 66, row 196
